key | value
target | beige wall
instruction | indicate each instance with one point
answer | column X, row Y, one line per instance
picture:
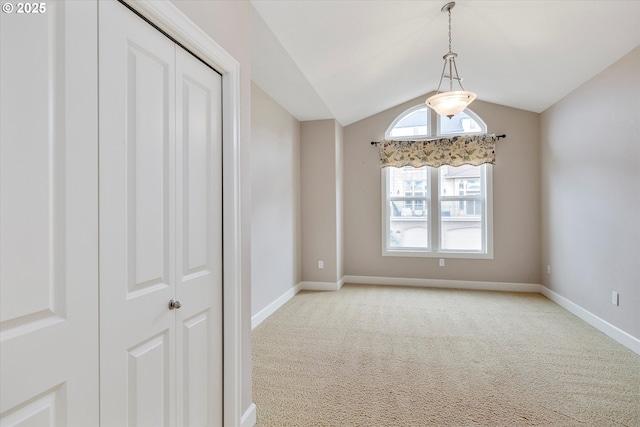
column 516, row 203
column 321, row 213
column 275, row 199
column 228, row 23
column 591, row 194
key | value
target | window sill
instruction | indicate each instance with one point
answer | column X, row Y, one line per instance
column 442, row 254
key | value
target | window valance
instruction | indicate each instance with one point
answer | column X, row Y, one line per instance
column 453, row 151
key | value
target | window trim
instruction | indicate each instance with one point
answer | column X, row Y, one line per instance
column 433, row 219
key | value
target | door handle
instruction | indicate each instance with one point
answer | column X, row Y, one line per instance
column 174, row 304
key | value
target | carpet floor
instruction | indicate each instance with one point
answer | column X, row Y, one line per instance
column 399, row 356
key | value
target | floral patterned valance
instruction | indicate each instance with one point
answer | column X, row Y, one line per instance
column 455, row 151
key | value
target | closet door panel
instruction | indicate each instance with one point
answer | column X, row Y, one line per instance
column 33, row 170
column 48, row 216
column 148, row 396
column 196, row 185
column 148, row 169
column 197, row 367
column 137, row 217
column 199, row 242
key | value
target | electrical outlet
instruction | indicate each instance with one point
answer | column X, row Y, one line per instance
column 441, row 262
column 615, row 298
column 548, row 269
column 320, row 264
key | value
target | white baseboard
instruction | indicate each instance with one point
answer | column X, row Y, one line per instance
column 249, row 418
column 271, row 308
column 448, row 284
column 282, row 299
column 627, row 340
column 321, row 286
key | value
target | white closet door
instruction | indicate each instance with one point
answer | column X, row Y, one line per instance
column 137, row 221
column 160, row 228
column 199, row 242
column 49, row 216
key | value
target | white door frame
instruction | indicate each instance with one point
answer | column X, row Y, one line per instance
column 172, row 21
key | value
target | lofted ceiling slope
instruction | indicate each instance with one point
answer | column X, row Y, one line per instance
column 350, row 59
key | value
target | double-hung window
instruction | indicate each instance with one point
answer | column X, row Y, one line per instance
column 437, row 212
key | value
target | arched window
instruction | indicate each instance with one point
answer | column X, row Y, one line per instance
column 437, row 212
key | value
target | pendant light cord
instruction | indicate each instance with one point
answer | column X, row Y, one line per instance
column 449, row 30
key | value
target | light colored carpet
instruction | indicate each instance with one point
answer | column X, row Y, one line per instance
column 395, row 356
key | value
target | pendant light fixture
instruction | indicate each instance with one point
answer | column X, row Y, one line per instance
column 454, row 101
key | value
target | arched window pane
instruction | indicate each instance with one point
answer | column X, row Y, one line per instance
column 459, row 124
column 413, row 124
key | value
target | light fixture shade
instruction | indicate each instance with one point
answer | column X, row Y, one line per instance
column 450, row 103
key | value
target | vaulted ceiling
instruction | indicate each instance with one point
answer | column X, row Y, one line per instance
column 350, row 59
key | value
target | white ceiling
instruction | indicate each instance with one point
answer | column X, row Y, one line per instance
column 350, row 59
